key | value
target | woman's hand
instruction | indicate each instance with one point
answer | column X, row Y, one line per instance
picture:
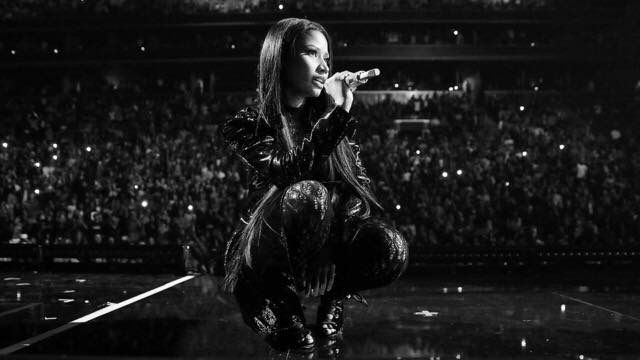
column 338, row 92
column 319, row 277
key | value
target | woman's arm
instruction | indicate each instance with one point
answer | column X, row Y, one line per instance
column 255, row 141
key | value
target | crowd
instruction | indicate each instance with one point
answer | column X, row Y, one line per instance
column 512, row 173
column 15, row 10
column 188, row 41
column 144, row 166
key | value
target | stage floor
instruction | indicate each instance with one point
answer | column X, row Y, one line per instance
column 593, row 316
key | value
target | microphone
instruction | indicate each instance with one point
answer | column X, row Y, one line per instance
column 356, row 79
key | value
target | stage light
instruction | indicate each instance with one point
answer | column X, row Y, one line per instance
column 459, row 172
column 37, row 191
column 88, row 149
column 5, row 145
column 190, row 207
column 398, row 207
column 417, row 152
column 55, row 157
column 561, row 146
column 37, row 164
column 144, row 203
column 444, row 174
column 521, row 107
column 396, row 85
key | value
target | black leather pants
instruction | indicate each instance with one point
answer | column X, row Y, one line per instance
column 372, row 254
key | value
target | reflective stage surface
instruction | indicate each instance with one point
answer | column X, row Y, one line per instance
column 592, row 316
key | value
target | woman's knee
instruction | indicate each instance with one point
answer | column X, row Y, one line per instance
column 386, row 244
column 308, row 197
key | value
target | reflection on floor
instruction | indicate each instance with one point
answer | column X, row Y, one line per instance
column 446, row 317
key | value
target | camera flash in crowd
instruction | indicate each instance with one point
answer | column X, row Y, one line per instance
column 143, row 49
column 37, row 164
column 455, row 87
column 535, row 88
column 450, row 88
column 37, row 191
column 561, row 146
column 135, row 186
column 13, row 52
column 55, row 51
column 524, row 153
column 144, row 203
column 55, row 157
column 521, row 107
column 455, row 32
column 445, row 174
column 533, row 44
column 563, row 307
column 55, row 145
column 506, row 184
column 396, row 85
column 88, row 149
column 417, row 152
column 459, row 289
column 5, row 145
column 523, row 343
column 190, row 207
column 398, row 207
column 280, row 7
column 459, row 172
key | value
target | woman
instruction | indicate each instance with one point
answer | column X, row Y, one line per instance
column 311, row 231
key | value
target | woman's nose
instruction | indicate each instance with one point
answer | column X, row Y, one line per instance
column 323, row 66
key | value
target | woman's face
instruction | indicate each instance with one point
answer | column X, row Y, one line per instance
column 309, row 67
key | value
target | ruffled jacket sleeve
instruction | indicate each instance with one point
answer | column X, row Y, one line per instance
column 256, row 142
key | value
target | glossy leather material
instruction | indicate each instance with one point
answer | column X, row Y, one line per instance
column 375, row 255
column 259, row 146
column 312, row 212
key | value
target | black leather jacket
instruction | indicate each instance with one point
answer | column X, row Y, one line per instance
column 260, row 148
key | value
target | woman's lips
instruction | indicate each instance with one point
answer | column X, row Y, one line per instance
column 318, row 82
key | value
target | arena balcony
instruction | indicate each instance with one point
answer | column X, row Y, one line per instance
column 39, row 12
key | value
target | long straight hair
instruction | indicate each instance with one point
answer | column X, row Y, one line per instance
column 277, row 48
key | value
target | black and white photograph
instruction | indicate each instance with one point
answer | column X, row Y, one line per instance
column 319, row 179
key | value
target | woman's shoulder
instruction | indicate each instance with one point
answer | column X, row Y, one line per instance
column 248, row 113
column 243, row 120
